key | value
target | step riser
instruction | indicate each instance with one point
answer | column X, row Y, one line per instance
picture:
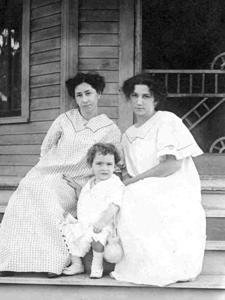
column 213, row 200
column 214, row 263
column 37, row 292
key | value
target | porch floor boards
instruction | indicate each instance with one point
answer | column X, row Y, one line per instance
column 202, row 282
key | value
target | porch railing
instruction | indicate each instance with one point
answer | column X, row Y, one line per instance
column 192, row 83
column 204, row 84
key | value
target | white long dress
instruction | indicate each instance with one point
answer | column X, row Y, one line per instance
column 30, row 239
column 162, row 224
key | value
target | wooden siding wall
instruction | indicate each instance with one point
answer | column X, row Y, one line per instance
column 99, row 48
column 20, row 143
column 98, row 51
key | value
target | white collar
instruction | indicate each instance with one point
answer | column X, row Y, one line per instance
column 133, row 132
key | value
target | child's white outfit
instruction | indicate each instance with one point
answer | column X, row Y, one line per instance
column 93, row 200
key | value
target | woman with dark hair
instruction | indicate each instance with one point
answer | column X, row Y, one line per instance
column 162, row 223
column 30, row 239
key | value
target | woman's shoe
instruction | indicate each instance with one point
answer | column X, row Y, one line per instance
column 53, row 275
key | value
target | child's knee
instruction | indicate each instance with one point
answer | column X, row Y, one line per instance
column 97, row 246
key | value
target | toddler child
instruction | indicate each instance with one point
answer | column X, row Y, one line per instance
column 99, row 202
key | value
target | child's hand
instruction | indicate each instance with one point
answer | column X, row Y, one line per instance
column 71, row 182
column 98, row 226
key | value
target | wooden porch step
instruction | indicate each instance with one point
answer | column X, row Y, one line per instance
column 80, row 287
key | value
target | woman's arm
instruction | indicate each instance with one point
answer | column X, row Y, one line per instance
column 166, row 167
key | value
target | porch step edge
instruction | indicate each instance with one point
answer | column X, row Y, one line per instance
column 202, row 282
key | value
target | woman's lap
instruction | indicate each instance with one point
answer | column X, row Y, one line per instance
column 163, row 230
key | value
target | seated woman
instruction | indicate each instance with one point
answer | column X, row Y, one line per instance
column 30, row 239
column 162, row 222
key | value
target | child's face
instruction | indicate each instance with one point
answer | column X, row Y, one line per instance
column 103, row 166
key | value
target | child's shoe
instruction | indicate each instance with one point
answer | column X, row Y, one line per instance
column 97, row 265
column 75, row 268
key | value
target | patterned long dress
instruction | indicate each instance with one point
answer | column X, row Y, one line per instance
column 30, row 239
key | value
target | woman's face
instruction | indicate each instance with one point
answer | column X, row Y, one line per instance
column 86, row 98
column 143, row 101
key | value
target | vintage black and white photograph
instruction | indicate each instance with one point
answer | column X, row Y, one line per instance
column 112, row 149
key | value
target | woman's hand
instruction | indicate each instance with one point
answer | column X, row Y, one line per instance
column 71, row 182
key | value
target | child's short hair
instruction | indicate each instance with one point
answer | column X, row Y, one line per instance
column 104, row 149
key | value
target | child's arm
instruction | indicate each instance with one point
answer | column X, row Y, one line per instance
column 106, row 217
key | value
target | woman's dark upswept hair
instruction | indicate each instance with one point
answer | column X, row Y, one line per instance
column 104, row 149
column 94, row 79
column 155, row 86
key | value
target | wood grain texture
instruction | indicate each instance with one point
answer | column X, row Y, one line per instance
column 48, row 68
column 46, row 22
column 99, row 39
column 45, row 45
column 99, row 27
column 45, row 57
column 44, row 115
column 45, row 103
column 46, row 10
column 99, row 4
column 46, row 91
column 43, row 80
column 98, row 64
column 99, row 15
column 46, row 34
column 39, row 3
column 98, row 52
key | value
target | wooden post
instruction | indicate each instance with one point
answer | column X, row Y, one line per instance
column 69, row 48
column 126, row 59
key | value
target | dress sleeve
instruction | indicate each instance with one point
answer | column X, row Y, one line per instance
column 173, row 138
column 52, row 137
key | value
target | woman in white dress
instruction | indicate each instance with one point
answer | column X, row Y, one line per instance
column 162, row 224
column 30, row 239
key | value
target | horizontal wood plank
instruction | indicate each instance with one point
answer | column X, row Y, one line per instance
column 35, row 127
column 42, row 69
column 111, row 88
column 46, row 57
column 99, row 39
column 108, row 100
column 110, row 76
column 215, row 229
column 45, row 80
column 98, row 52
column 99, row 27
column 111, row 112
column 45, row 103
column 45, row 45
column 14, row 170
column 99, row 15
column 45, row 22
column 98, row 64
column 35, row 3
column 21, row 139
column 44, row 115
column 46, row 34
column 18, row 149
column 46, row 91
column 98, row 4
column 46, row 10
column 19, row 160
